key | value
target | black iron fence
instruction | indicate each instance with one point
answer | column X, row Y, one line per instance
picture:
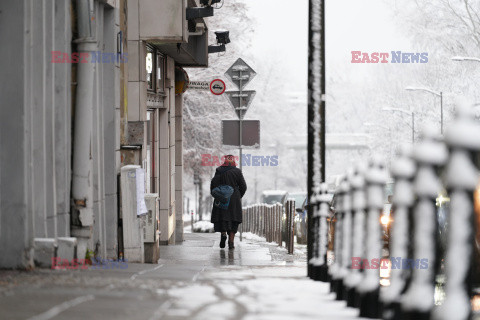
column 403, row 255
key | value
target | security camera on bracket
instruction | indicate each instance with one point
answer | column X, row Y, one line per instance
column 222, row 39
column 205, row 11
column 208, row 3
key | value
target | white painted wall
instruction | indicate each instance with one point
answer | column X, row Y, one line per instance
column 36, row 131
column 35, row 119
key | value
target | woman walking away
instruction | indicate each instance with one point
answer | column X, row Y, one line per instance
column 227, row 207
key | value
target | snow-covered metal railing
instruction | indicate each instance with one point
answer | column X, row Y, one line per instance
column 346, row 251
column 429, row 153
column 462, row 177
column 267, row 221
column 376, row 178
column 314, row 261
column 403, row 171
column 359, row 204
column 334, row 269
column 320, row 234
column 411, row 290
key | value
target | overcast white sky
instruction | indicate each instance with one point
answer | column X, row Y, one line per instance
column 364, row 25
column 282, row 32
column 281, row 35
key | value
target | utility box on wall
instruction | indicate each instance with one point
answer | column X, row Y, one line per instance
column 133, row 209
column 151, row 232
column 150, row 227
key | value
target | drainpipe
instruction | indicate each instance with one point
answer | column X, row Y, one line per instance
column 82, row 179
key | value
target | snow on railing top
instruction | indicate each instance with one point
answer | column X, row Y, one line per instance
column 376, row 172
column 357, row 181
column 430, row 150
column 404, row 166
column 464, row 131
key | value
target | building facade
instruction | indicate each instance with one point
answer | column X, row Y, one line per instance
column 88, row 87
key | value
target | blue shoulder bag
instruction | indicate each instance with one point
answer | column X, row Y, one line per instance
column 221, row 195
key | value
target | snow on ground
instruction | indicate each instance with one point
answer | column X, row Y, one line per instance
column 280, row 290
column 197, row 296
column 203, row 226
column 263, row 293
column 291, row 298
column 261, row 281
column 252, row 236
column 278, row 253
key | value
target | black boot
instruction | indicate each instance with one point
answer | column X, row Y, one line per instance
column 223, row 239
column 230, row 245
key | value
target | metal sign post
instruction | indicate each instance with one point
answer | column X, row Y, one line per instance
column 240, row 74
column 245, row 75
column 250, row 133
column 240, row 103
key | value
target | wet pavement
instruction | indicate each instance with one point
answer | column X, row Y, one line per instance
column 196, row 280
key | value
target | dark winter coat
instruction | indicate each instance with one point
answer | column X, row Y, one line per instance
column 233, row 177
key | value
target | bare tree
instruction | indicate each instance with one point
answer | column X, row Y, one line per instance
column 452, row 26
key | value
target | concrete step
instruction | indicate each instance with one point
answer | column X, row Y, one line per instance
column 67, row 248
column 45, row 250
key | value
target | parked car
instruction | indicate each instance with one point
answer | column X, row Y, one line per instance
column 301, row 219
column 274, row 196
column 300, row 227
column 299, row 197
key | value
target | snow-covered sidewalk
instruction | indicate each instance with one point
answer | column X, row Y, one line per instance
column 255, row 293
column 196, row 280
column 257, row 280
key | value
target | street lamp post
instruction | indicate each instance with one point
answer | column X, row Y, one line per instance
column 409, row 112
column 438, row 94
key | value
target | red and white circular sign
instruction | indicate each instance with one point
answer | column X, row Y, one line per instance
column 217, row 87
